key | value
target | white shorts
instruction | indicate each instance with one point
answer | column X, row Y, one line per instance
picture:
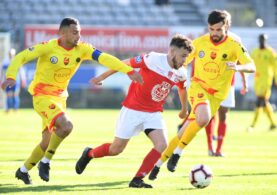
column 229, row 102
column 132, row 122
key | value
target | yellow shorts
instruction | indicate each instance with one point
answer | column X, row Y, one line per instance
column 49, row 108
column 262, row 90
column 197, row 96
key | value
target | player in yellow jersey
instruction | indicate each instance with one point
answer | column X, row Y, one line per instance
column 215, row 58
column 266, row 64
column 58, row 60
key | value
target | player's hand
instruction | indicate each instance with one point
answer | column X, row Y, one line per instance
column 135, row 76
column 232, row 66
column 183, row 114
column 96, row 81
column 243, row 91
column 8, row 83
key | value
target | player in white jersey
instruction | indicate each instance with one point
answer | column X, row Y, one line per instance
column 143, row 105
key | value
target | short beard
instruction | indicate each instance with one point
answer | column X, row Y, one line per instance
column 175, row 65
column 219, row 39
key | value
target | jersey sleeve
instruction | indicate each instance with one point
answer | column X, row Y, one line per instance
column 138, row 61
column 242, row 54
column 106, row 59
column 25, row 56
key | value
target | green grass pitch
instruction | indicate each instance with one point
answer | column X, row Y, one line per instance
column 250, row 165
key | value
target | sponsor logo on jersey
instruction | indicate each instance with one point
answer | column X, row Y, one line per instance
column 224, row 56
column 200, row 95
column 66, row 60
column 201, row 54
column 54, row 60
column 78, row 59
column 62, row 75
column 138, row 59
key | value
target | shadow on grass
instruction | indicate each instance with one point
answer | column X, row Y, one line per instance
column 247, row 174
column 11, row 188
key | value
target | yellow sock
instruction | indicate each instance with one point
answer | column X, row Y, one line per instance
column 36, row 155
column 189, row 134
column 54, row 143
column 170, row 148
column 256, row 116
column 269, row 112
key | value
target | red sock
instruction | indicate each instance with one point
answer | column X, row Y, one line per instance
column 209, row 131
column 222, row 126
column 148, row 163
column 100, row 151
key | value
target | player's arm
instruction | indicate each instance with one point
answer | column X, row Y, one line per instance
column 182, row 92
column 22, row 58
column 115, row 64
column 98, row 80
column 244, row 89
column 247, row 64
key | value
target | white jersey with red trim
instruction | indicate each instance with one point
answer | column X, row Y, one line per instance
column 158, row 79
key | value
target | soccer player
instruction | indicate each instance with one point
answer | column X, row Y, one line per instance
column 58, row 60
column 266, row 64
column 12, row 93
column 215, row 58
column 143, row 105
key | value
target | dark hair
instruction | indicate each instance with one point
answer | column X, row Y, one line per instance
column 263, row 36
column 217, row 16
column 66, row 22
column 181, row 41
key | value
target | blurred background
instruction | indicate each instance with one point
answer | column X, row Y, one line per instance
column 126, row 28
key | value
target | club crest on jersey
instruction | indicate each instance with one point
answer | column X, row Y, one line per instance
column 66, row 60
column 160, row 91
column 138, row 59
column 52, row 106
column 201, row 54
column 54, row 60
column 213, row 55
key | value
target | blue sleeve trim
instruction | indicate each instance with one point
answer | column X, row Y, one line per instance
column 96, row 54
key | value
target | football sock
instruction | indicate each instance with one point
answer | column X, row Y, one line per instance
column 100, row 151
column 269, row 112
column 148, row 163
column 189, row 134
column 54, row 143
column 170, row 148
column 45, row 160
column 222, row 126
column 23, row 169
column 258, row 110
column 209, row 132
column 36, row 155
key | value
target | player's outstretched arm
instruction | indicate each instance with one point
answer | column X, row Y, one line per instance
column 98, row 80
column 244, row 89
column 249, row 68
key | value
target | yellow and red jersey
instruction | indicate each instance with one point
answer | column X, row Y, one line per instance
column 56, row 65
column 266, row 65
column 209, row 63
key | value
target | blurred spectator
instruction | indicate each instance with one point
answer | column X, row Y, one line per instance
column 12, row 93
column 161, row 2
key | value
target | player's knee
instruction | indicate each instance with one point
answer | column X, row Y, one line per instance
column 160, row 147
column 203, row 121
column 66, row 128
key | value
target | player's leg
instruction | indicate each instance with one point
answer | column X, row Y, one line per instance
column 9, row 98
column 260, row 103
column 202, row 118
column 106, row 149
column 16, row 99
column 36, row 155
column 221, row 131
column 159, row 141
column 269, row 113
column 209, row 132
